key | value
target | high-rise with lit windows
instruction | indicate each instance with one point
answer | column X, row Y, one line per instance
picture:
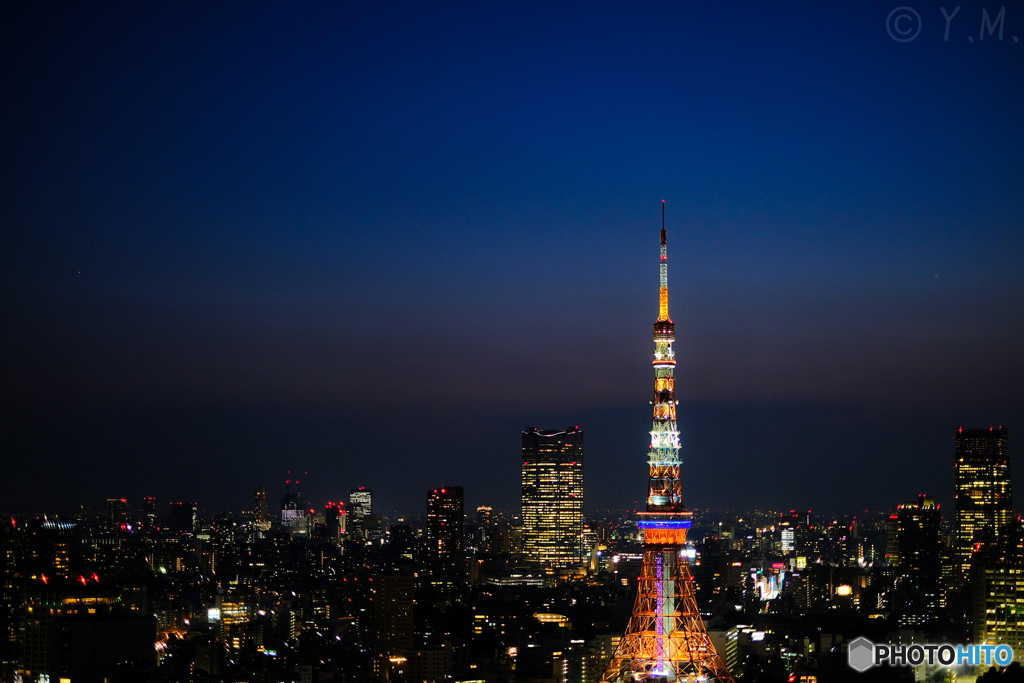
column 360, row 511
column 997, row 590
column 553, row 496
column 984, row 506
column 149, row 511
column 445, row 540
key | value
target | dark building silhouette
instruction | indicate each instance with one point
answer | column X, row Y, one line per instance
column 75, row 629
column 10, row 599
column 53, row 548
column 183, row 517
column 117, row 511
column 149, row 511
column 918, row 561
column 393, row 621
column 335, row 519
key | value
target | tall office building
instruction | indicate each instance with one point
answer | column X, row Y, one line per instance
column 149, row 511
column 293, row 510
column 360, row 511
column 553, row 496
column 483, row 527
column 483, row 515
column 260, row 509
column 10, row 599
column 184, row 517
column 117, row 511
column 918, row 560
column 793, row 529
column 334, row 518
column 445, row 538
column 393, row 621
column 997, row 590
column 984, row 506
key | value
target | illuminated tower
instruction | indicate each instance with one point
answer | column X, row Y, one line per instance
column 666, row 639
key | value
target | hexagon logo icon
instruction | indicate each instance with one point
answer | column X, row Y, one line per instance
column 861, row 654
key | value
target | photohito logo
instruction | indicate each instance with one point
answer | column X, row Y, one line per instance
column 863, row 654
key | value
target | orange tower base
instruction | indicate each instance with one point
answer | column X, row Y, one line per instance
column 666, row 639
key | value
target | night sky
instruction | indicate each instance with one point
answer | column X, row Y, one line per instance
column 372, row 242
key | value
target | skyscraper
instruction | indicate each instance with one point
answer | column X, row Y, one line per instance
column 483, row 527
column 393, row 619
column 335, row 518
column 293, row 510
column 445, row 538
column 666, row 639
column 117, row 511
column 360, row 510
column 149, row 511
column 984, row 506
column 260, row 509
column 918, row 560
column 184, row 517
column 553, row 496
column 997, row 590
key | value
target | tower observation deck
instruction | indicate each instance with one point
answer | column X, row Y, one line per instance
column 666, row 639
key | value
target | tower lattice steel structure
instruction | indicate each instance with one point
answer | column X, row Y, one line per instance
column 666, row 639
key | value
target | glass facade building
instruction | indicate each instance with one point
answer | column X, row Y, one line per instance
column 553, row 497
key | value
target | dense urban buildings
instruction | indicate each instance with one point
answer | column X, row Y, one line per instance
column 984, row 505
column 235, row 599
column 544, row 593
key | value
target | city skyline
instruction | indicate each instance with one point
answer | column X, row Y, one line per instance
column 307, row 309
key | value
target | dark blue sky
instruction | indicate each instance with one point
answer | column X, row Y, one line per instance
column 375, row 241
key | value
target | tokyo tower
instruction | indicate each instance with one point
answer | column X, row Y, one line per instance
column 666, row 639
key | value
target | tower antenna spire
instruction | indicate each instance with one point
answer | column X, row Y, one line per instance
column 666, row 639
column 663, row 291
column 663, row 221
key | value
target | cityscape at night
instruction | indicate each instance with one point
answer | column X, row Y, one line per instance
column 537, row 343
